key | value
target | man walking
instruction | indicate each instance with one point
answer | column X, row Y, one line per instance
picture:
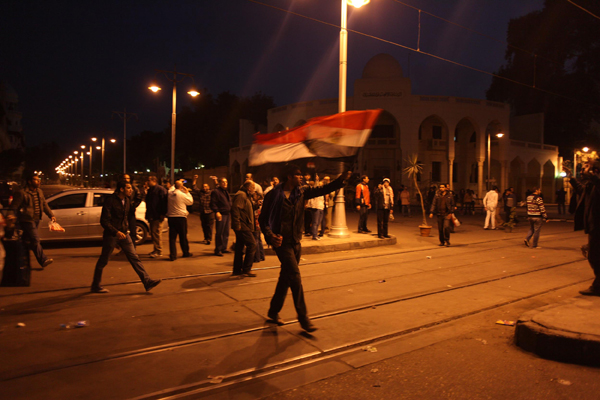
column 114, row 219
column 490, row 203
column 220, row 203
column 536, row 213
column 243, row 224
column 136, row 200
column 29, row 204
column 510, row 202
column 587, row 217
column 281, row 221
column 207, row 216
column 179, row 198
column 156, row 210
column 363, row 204
column 442, row 205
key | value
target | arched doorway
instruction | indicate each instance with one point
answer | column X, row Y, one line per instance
column 465, row 154
column 548, row 182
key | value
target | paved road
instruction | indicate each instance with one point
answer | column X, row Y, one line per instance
column 406, row 321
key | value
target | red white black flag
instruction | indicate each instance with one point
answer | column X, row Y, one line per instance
column 332, row 136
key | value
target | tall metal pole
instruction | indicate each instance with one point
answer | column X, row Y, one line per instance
column 489, row 161
column 338, row 223
column 125, row 115
column 102, row 158
column 82, row 178
column 173, row 124
column 91, row 147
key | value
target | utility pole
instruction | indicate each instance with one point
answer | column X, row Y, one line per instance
column 124, row 115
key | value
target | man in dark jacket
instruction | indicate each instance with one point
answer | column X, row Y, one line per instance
column 136, row 200
column 220, row 203
column 443, row 206
column 156, row 209
column 242, row 222
column 282, row 222
column 587, row 217
column 114, row 220
column 29, row 203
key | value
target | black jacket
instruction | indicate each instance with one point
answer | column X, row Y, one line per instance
column 156, row 203
column 436, row 204
column 587, row 213
column 220, row 201
column 115, row 215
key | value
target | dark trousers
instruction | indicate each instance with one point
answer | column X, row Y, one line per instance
column 260, row 251
column 108, row 245
column 535, row 226
column 362, row 219
column 594, row 257
column 383, row 218
column 178, row 227
column 31, row 237
column 561, row 207
column 307, row 220
column 222, row 233
column 207, row 220
column 242, row 263
column 289, row 278
column 316, row 216
column 444, row 228
column 132, row 229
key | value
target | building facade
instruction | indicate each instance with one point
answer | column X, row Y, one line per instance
column 450, row 136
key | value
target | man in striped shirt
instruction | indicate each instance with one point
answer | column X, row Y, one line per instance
column 536, row 213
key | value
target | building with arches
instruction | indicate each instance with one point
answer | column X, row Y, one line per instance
column 449, row 134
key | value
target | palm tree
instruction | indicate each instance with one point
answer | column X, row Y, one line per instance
column 413, row 169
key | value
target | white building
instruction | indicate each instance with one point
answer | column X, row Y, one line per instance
column 449, row 134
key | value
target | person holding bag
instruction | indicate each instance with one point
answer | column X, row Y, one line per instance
column 443, row 206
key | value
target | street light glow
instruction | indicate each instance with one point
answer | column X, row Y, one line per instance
column 98, row 147
column 113, row 140
column 94, row 139
column 499, row 135
column 586, row 149
column 154, row 87
column 357, row 3
column 82, row 146
column 193, row 92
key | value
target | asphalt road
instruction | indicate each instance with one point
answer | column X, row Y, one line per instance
column 400, row 322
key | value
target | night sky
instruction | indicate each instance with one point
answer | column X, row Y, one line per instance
column 74, row 62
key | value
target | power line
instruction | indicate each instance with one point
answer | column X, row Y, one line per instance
column 587, row 11
column 426, row 54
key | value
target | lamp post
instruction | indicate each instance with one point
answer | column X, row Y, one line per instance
column 489, row 153
column 102, row 148
column 125, row 115
column 338, row 224
column 192, row 92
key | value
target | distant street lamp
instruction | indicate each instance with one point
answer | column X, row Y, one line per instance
column 102, row 148
column 192, row 92
column 489, row 153
column 339, row 229
column 125, row 115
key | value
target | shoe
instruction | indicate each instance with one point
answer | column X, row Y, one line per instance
column 447, row 244
column 307, row 325
column 275, row 318
column 387, row 236
column 526, row 242
column 441, row 244
column 151, row 283
column 155, row 255
column 226, row 251
column 187, row 255
column 172, row 258
column 380, row 236
column 236, row 274
column 219, row 254
column 206, row 241
column 47, row 262
column 249, row 274
column 367, row 231
column 536, row 247
column 590, row 292
column 99, row 289
column 316, row 238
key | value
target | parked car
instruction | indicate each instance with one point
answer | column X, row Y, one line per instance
column 78, row 212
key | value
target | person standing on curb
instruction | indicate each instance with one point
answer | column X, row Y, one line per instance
column 114, row 219
column 536, row 213
column 179, row 198
column 281, row 221
column 243, row 224
column 363, row 204
column 29, row 203
column 442, row 205
column 384, row 205
column 207, row 216
column 490, row 203
column 220, row 203
column 156, row 210
column 587, row 217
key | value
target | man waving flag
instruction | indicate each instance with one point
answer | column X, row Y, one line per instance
column 332, row 136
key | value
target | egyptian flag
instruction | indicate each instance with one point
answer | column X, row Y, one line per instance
column 333, row 136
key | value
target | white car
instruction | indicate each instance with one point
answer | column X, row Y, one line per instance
column 78, row 212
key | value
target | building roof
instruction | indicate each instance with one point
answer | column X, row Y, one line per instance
column 382, row 66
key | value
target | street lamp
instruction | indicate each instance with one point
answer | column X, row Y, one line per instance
column 489, row 152
column 338, row 225
column 102, row 148
column 192, row 92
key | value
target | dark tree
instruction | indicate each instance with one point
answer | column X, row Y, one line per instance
column 560, row 54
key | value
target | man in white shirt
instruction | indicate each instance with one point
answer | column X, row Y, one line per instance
column 178, row 198
column 490, row 203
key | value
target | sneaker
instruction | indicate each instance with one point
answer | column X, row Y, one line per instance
column 536, row 247
column 155, row 255
column 275, row 318
column 447, row 244
column 151, row 283
column 526, row 242
column 99, row 289
column 367, row 231
column 249, row 274
column 307, row 325
column 316, row 238
column 219, row 254
column 47, row 262
column 590, row 292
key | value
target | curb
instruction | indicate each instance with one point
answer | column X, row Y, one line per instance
column 343, row 246
column 554, row 344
